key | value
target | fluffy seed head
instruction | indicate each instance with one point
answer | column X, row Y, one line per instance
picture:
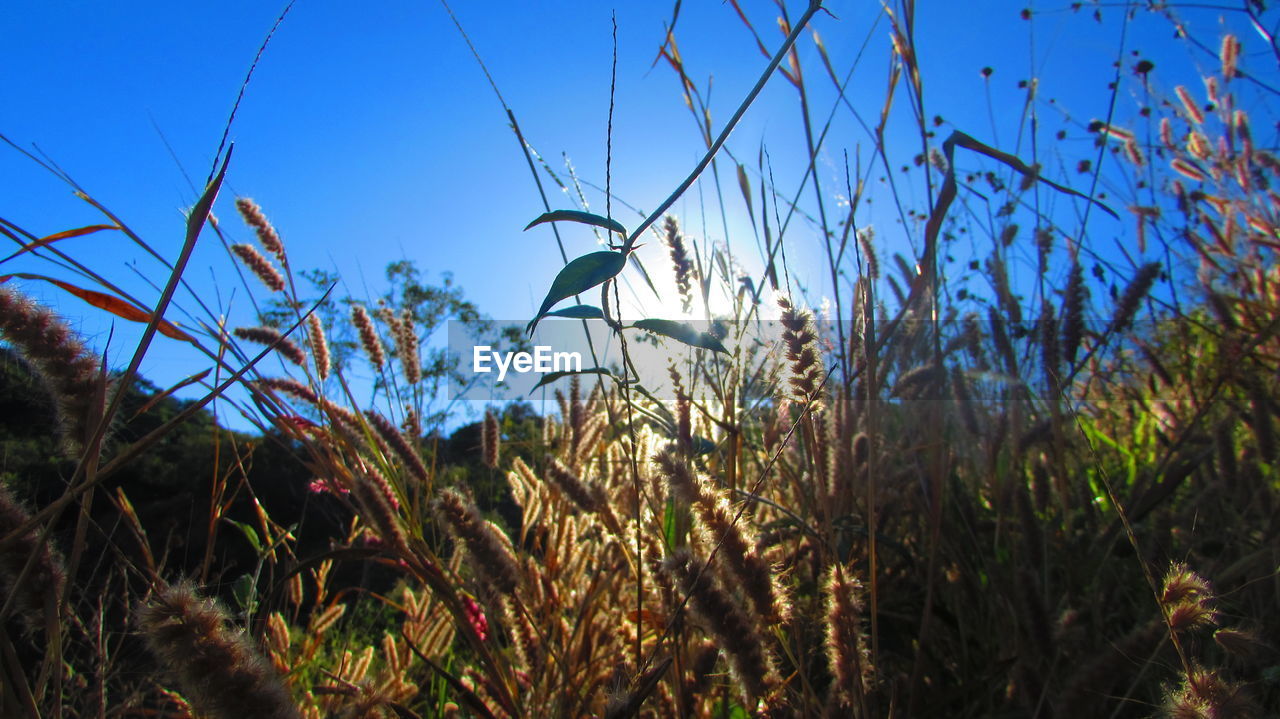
column 271, row 336
column 254, row 217
column 490, row 440
column 42, row 584
column 1189, row 104
column 800, row 343
column 70, row 370
column 495, row 564
column 572, row 486
column 407, row 347
column 866, row 237
column 368, row 336
column 1073, row 313
column 1181, row 584
column 214, row 664
column 399, row 444
column 1229, row 54
column 319, row 345
column 260, row 266
column 724, row 618
column 1190, row 614
column 1133, row 295
column 1198, row 146
column 847, row 653
column 379, row 504
column 680, row 261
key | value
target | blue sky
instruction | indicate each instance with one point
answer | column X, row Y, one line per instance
column 370, row 135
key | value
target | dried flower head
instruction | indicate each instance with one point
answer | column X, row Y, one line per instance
column 1229, row 54
column 680, row 261
column 31, row 573
column 254, row 217
column 1134, row 293
column 407, row 347
column 1194, row 114
column 846, row 646
column 800, row 343
column 490, row 440
column 368, row 336
column 271, row 337
column 214, row 664
column 1181, row 584
column 400, row 444
column 73, row 373
column 319, row 345
column 260, row 266
column 494, row 562
column 866, row 241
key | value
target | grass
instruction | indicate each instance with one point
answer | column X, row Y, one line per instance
column 1039, row 499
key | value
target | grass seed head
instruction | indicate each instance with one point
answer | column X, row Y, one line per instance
column 260, row 266
column 71, row 372
column 214, row 664
column 271, row 336
column 490, row 440
column 255, row 218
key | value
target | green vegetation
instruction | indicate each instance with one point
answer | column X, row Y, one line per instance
column 1056, row 496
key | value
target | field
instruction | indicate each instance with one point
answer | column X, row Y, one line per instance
column 959, row 456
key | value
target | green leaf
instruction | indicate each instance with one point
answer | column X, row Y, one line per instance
column 744, row 184
column 578, row 276
column 550, row 377
column 669, row 524
column 579, row 312
column 681, row 332
column 242, row 590
column 702, row 445
column 585, row 218
column 249, row 532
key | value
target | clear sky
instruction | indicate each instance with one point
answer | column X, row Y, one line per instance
column 370, row 135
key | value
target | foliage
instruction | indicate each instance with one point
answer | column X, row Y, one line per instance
column 937, row 501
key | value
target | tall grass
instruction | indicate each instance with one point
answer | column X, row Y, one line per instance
column 916, row 501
